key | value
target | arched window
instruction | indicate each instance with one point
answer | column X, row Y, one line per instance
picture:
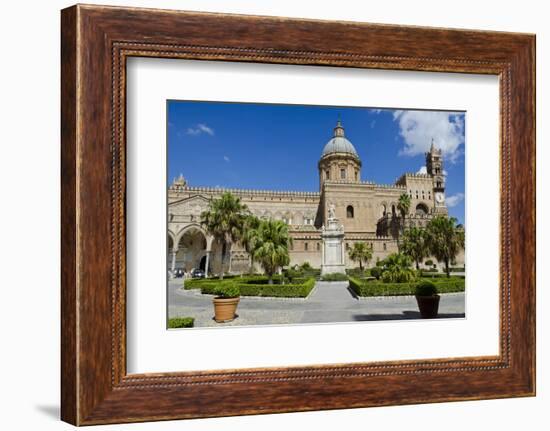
column 384, row 246
column 327, row 175
column 305, row 246
column 421, row 210
column 393, row 210
column 318, row 246
column 349, row 211
column 342, row 174
column 384, row 210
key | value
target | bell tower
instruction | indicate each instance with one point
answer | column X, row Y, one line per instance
column 434, row 168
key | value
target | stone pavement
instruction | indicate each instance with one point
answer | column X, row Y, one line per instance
column 328, row 302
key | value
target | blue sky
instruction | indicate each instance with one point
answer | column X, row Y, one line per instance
column 277, row 147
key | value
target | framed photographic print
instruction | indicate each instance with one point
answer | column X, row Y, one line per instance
column 259, row 217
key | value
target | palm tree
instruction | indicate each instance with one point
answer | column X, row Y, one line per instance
column 224, row 220
column 360, row 252
column 414, row 245
column 444, row 239
column 403, row 206
column 271, row 246
column 250, row 237
column 397, row 269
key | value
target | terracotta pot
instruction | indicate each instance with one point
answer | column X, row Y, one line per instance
column 224, row 309
column 428, row 306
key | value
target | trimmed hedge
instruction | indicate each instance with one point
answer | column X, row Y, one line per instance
column 334, row 277
column 436, row 275
column 457, row 269
column 376, row 288
column 356, row 272
column 181, row 322
column 278, row 290
column 248, row 288
column 197, row 283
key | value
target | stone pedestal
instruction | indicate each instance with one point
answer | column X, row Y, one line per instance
column 333, row 248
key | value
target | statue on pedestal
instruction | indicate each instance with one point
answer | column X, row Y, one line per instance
column 333, row 244
column 331, row 211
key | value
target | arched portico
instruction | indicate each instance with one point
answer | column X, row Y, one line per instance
column 191, row 249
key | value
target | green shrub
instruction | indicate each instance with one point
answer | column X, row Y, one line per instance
column 377, row 288
column 291, row 274
column 181, row 322
column 257, row 285
column 425, row 288
column 429, row 270
column 334, row 277
column 278, row 290
column 198, row 283
column 397, row 269
column 306, row 266
column 356, row 272
column 457, row 269
column 226, row 290
column 429, row 262
column 376, row 272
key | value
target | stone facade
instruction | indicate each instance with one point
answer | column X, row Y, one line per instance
column 367, row 211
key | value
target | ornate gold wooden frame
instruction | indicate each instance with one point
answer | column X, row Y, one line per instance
column 96, row 41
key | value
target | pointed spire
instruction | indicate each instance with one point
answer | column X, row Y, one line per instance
column 432, row 148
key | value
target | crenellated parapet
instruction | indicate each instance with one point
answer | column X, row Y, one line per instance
column 403, row 178
column 178, row 189
column 364, row 184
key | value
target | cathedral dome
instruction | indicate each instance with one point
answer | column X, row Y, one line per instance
column 339, row 143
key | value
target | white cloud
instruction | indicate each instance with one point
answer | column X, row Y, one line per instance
column 372, row 124
column 200, row 129
column 454, row 200
column 418, row 128
column 422, row 170
column 375, row 111
column 227, row 159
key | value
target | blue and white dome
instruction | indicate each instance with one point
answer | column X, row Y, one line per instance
column 339, row 143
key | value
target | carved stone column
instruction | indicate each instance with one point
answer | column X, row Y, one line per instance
column 173, row 253
column 207, row 263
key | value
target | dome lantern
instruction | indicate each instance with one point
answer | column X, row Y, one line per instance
column 339, row 143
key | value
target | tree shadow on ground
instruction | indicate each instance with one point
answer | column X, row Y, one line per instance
column 405, row 315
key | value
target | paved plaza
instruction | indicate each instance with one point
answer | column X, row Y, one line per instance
column 327, row 302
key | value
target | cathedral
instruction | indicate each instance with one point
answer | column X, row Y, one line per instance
column 367, row 211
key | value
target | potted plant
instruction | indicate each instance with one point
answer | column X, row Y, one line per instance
column 427, row 299
column 226, row 299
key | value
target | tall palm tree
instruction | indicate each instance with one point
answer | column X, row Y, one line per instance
column 250, row 237
column 444, row 239
column 360, row 252
column 403, row 206
column 271, row 246
column 414, row 245
column 224, row 220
